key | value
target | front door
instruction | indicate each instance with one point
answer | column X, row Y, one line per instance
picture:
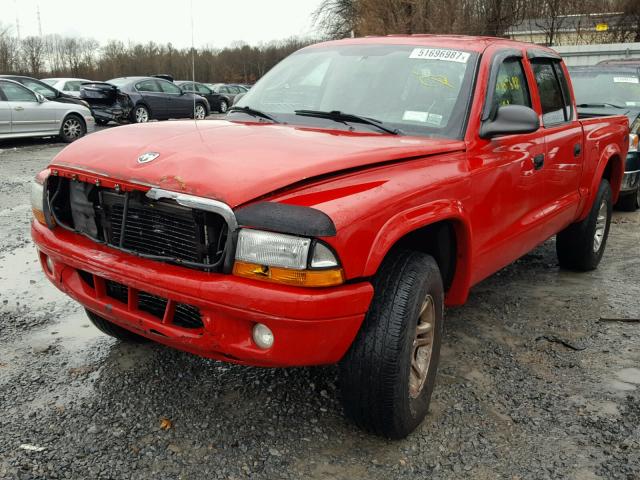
column 505, row 177
column 154, row 97
column 28, row 115
column 179, row 105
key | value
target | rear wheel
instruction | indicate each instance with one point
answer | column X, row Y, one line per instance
column 72, row 128
column 581, row 245
column 113, row 330
column 140, row 114
column 389, row 373
column 224, row 106
column 629, row 201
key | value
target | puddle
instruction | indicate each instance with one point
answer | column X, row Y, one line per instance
column 629, row 375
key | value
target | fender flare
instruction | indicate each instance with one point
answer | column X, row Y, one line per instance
column 611, row 155
column 422, row 216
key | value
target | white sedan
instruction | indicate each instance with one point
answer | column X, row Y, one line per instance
column 70, row 86
column 25, row 113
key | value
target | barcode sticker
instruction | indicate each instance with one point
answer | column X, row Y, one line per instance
column 440, row 54
column 626, row 80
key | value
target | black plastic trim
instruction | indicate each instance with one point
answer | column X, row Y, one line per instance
column 539, row 53
column 284, row 218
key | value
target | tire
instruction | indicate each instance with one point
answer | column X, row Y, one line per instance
column 114, row 330
column 200, row 112
column 629, row 202
column 581, row 245
column 140, row 114
column 377, row 392
column 102, row 122
column 72, row 128
column 223, row 107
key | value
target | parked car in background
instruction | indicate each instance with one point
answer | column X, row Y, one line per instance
column 228, row 90
column 217, row 101
column 70, row 86
column 49, row 92
column 609, row 89
column 107, row 102
column 159, row 99
column 25, row 113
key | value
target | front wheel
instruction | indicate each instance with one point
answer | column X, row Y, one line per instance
column 72, row 129
column 629, row 201
column 141, row 114
column 581, row 245
column 199, row 112
column 113, row 330
column 224, row 106
column 389, row 373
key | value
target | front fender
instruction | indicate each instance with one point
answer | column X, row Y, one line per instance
column 415, row 218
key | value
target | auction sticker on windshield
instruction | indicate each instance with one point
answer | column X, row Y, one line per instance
column 626, row 80
column 440, row 54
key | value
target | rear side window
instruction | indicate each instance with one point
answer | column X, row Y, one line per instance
column 511, row 85
column 554, row 107
column 566, row 97
column 168, row 87
column 147, row 86
column 202, row 89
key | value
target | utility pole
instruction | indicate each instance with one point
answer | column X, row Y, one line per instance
column 17, row 20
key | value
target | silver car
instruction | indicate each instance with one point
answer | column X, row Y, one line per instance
column 70, row 86
column 25, row 113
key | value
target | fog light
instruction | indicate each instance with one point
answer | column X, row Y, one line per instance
column 49, row 263
column 263, row 336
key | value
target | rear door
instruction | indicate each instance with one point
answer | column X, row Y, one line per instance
column 562, row 165
column 27, row 114
column 154, row 97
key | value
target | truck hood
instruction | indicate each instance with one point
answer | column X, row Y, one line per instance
column 236, row 162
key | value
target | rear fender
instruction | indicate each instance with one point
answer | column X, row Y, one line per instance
column 611, row 164
column 408, row 221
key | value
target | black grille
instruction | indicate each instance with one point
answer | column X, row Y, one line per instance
column 185, row 316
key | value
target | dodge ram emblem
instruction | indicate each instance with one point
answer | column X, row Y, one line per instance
column 148, row 157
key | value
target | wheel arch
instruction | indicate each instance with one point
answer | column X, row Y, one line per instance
column 445, row 235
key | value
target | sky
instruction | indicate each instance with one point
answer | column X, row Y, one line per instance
column 216, row 23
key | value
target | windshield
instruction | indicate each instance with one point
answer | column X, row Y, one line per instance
column 417, row 90
column 619, row 88
column 41, row 88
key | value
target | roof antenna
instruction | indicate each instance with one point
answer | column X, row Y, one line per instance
column 193, row 67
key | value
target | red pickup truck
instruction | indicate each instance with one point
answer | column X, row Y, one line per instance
column 358, row 188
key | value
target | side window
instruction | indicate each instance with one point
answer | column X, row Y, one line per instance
column 551, row 97
column 224, row 90
column 188, row 87
column 566, row 96
column 42, row 89
column 17, row 93
column 147, row 86
column 511, row 85
column 202, row 89
column 168, row 87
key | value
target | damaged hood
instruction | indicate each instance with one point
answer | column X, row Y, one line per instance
column 235, row 162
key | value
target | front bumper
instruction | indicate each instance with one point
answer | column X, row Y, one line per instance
column 631, row 177
column 311, row 326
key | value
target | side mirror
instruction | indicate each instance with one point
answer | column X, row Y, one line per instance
column 40, row 97
column 510, row 119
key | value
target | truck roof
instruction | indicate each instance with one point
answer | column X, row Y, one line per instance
column 463, row 42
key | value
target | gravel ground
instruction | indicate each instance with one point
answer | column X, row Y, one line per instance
column 512, row 400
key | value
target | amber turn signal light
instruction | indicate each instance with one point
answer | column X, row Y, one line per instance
column 300, row 278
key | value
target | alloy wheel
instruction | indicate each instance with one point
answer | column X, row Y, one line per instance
column 142, row 115
column 72, row 128
column 601, row 225
column 422, row 347
column 199, row 112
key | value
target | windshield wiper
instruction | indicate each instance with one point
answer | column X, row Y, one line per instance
column 339, row 116
column 253, row 112
column 597, row 105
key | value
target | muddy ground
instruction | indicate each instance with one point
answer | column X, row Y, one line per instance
column 512, row 400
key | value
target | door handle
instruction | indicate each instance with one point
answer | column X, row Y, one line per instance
column 577, row 150
column 18, row 109
column 538, row 161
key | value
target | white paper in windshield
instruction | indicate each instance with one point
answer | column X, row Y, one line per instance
column 626, row 80
column 440, row 54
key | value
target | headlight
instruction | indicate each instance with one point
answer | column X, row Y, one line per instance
column 286, row 259
column 633, row 142
column 37, row 196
